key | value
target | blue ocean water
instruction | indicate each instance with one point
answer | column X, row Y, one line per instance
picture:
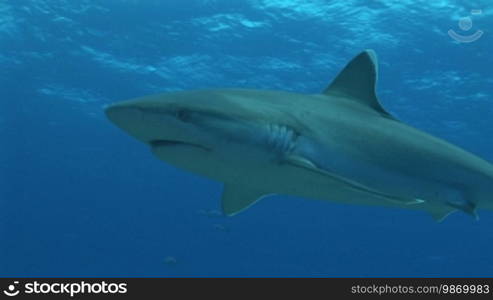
column 81, row 198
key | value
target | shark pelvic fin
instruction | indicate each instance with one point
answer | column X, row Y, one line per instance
column 438, row 211
column 237, row 198
column 357, row 82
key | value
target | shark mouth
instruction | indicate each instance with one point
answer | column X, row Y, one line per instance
column 174, row 143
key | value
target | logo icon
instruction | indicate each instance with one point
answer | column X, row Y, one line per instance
column 466, row 24
column 11, row 291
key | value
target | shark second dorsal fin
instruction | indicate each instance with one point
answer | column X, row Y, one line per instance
column 237, row 198
column 357, row 82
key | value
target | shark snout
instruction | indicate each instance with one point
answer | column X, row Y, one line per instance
column 130, row 119
column 153, row 125
column 122, row 114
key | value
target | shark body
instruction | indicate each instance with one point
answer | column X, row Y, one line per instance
column 340, row 145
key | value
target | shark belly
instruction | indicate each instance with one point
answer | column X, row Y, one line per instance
column 375, row 176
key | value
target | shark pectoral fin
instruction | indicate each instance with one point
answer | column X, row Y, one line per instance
column 237, row 198
column 357, row 81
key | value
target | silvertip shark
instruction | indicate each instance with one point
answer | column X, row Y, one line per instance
column 340, row 145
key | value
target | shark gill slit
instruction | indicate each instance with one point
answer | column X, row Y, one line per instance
column 281, row 138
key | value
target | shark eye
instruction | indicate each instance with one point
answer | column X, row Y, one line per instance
column 183, row 115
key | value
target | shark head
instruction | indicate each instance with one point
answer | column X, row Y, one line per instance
column 202, row 130
column 166, row 120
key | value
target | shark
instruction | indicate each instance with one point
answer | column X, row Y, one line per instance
column 340, row 145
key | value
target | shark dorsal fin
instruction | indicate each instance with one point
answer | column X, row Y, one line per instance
column 237, row 198
column 357, row 82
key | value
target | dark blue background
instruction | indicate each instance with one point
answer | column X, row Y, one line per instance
column 81, row 198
